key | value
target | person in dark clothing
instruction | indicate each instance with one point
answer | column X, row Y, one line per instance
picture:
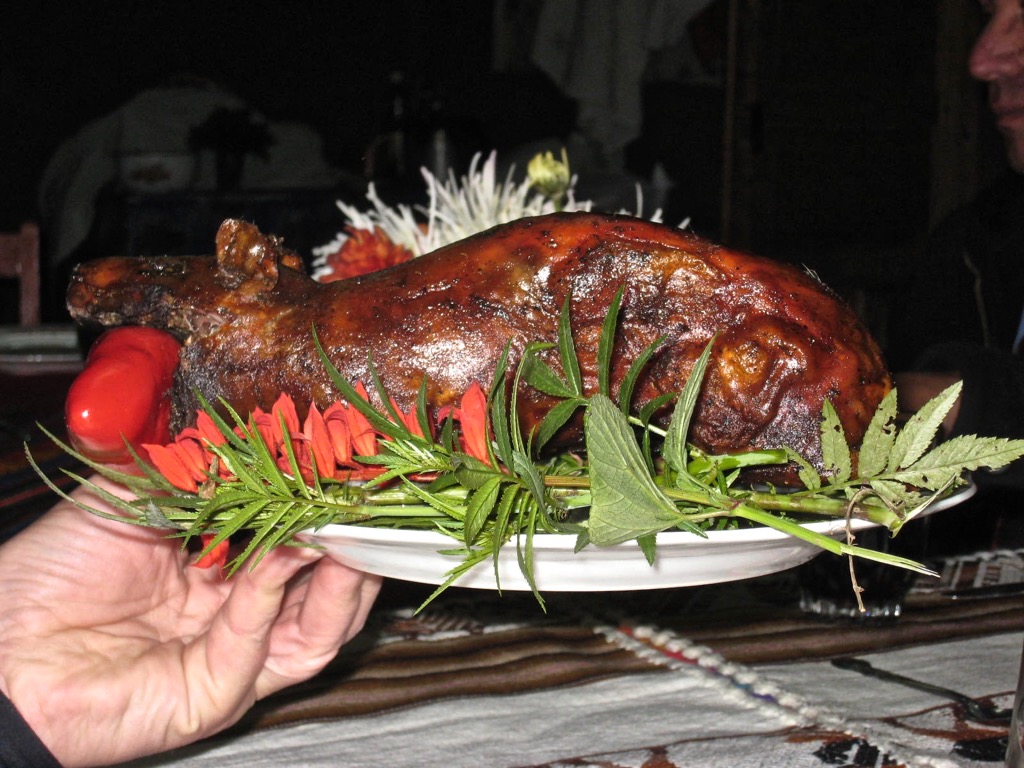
column 112, row 646
column 960, row 317
column 19, row 745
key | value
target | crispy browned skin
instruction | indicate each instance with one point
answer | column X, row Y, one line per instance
column 785, row 341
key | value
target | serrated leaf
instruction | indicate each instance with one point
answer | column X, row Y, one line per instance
column 481, row 504
column 472, row 473
column 510, row 500
column 555, row 420
column 542, row 377
column 805, row 470
column 919, row 432
column 892, row 491
column 524, row 550
column 527, row 471
column 835, row 451
column 625, row 502
column 582, row 540
column 455, row 511
column 878, row 438
column 649, row 546
column 421, row 407
column 674, row 450
column 951, row 459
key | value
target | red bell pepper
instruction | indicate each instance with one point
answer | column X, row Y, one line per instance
column 123, row 394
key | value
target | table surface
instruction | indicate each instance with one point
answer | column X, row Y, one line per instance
column 731, row 674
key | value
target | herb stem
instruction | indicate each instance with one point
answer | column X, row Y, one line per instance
column 829, row 507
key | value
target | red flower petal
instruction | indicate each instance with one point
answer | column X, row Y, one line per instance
column 336, row 422
column 194, row 457
column 364, row 438
column 170, row 464
column 208, row 430
column 284, row 410
column 315, row 431
column 409, row 419
column 473, row 420
column 267, row 427
column 218, row 556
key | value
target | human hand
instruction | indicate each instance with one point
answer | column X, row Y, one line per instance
column 113, row 647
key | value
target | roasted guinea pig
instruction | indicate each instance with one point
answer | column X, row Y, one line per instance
column 785, row 342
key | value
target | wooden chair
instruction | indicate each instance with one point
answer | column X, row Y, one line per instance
column 19, row 259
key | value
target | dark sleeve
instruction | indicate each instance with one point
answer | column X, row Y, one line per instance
column 936, row 302
column 966, row 284
column 19, row 746
column 992, row 400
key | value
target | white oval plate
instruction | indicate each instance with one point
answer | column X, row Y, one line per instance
column 683, row 559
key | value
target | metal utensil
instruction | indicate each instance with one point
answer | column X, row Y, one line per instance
column 976, row 710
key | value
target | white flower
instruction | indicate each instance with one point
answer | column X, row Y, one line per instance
column 456, row 209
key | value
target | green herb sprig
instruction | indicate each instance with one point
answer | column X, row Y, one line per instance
column 633, row 481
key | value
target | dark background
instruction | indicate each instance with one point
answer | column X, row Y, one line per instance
column 325, row 63
column 831, row 145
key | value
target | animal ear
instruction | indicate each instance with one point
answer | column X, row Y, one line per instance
column 249, row 261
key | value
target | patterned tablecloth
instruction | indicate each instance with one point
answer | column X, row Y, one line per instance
column 712, row 676
column 723, row 675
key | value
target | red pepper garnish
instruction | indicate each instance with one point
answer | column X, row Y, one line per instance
column 122, row 394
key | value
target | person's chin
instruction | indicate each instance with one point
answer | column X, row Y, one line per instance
column 1015, row 152
column 1011, row 125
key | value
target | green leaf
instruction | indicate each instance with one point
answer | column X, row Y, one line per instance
column 436, row 501
column 514, row 429
column 555, row 419
column 878, row 438
column 527, row 471
column 421, row 407
column 222, row 426
column 524, row 550
column 470, row 560
column 293, row 463
column 951, row 459
column 543, row 378
column 606, row 345
column 648, row 545
column 919, row 432
column 625, row 501
column 511, row 500
column 567, row 352
column 481, row 504
column 393, row 427
column 835, row 451
column 471, row 472
column 674, row 451
column 500, row 419
column 633, row 374
column 805, row 470
column 653, row 406
column 395, row 424
column 582, row 540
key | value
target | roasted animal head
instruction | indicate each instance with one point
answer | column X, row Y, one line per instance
column 185, row 295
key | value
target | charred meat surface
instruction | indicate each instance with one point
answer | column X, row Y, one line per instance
column 246, row 317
